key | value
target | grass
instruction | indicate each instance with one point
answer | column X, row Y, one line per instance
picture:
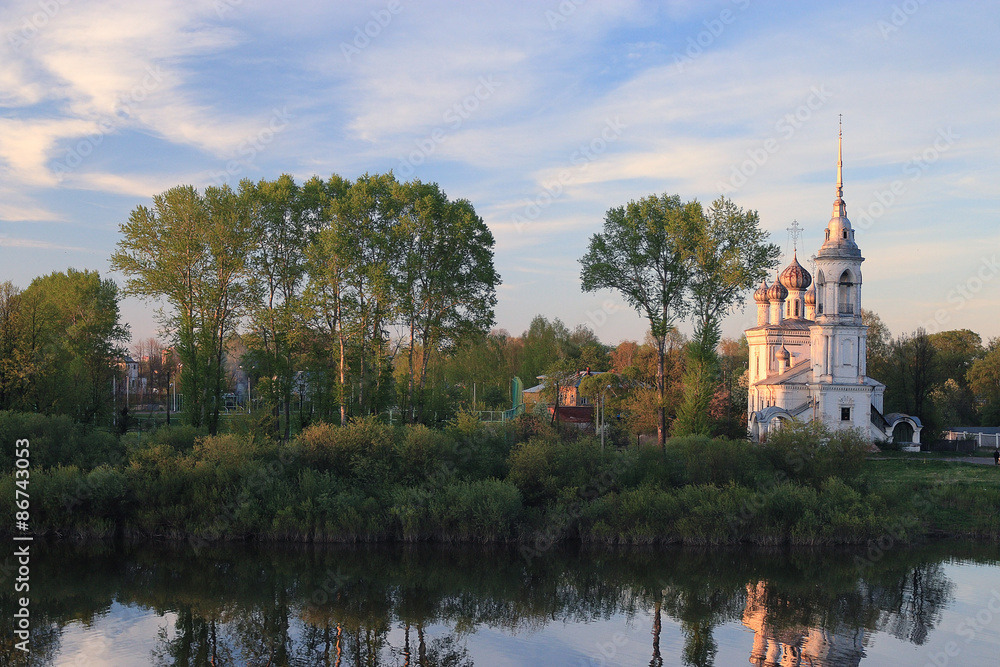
column 931, row 471
column 947, row 498
column 920, row 456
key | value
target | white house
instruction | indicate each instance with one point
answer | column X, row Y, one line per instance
column 807, row 352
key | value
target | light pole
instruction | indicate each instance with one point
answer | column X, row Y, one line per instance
column 249, row 399
column 168, row 397
column 603, row 414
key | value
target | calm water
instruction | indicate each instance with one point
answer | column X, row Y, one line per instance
column 434, row 605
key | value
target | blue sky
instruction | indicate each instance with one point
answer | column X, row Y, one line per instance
column 543, row 114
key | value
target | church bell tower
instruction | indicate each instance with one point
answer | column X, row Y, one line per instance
column 838, row 337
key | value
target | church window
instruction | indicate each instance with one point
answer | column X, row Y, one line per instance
column 845, row 414
column 828, row 234
column 845, row 233
column 796, row 308
column 846, row 289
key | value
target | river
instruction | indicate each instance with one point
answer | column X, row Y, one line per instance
column 200, row 604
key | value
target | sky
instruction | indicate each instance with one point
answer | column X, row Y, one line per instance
column 543, row 114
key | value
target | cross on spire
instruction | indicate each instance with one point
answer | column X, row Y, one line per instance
column 794, row 232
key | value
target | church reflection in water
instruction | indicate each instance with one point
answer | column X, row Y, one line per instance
column 797, row 645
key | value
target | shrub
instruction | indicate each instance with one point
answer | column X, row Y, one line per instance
column 486, row 510
column 809, row 452
column 718, row 461
column 363, row 450
column 652, row 466
column 47, row 436
column 544, row 469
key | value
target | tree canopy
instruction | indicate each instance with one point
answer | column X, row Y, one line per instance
column 667, row 259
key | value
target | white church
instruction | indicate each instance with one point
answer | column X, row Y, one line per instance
column 807, row 352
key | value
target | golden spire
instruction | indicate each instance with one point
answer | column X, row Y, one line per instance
column 839, row 208
column 840, row 159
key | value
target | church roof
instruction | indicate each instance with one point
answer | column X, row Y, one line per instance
column 790, row 324
column 789, row 374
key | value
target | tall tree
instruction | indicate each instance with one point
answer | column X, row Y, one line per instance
column 359, row 253
column 984, row 378
column 13, row 357
column 729, row 256
column 544, row 343
column 643, row 254
column 191, row 249
column 327, row 296
column 957, row 350
column 283, row 225
column 75, row 337
column 879, row 340
column 914, row 372
column 447, row 282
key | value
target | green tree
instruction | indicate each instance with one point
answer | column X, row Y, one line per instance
column 643, row 254
column 544, row 343
column 327, row 299
column 447, row 282
column 912, row 375
column 363, row 236
column 74, row 336
column 957, row 350
column 283, row 224
column 984, row 379
column 191, row 249
column 879, row 340
column 14, row 358
column 729, row 256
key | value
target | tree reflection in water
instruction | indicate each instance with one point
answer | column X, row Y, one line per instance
column 393, row 605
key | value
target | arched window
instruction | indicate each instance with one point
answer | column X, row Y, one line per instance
column 846, row 293
column 820, row 291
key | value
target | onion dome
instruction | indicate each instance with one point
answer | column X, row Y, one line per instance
column 760, row 296
column 811, row 297
column 795, row 276
column 777, row 291
column 783, row 355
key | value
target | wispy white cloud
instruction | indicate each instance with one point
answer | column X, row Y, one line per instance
column 36, row 244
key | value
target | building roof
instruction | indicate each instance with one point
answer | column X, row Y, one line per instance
column 894, row 417
column 791, row 372
column 792, row 323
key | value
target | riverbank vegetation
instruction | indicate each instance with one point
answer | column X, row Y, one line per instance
column 525, row 482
